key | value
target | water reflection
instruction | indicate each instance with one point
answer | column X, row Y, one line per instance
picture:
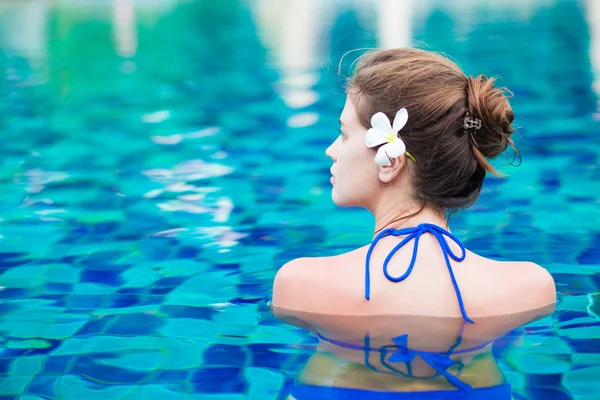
column 407, row 353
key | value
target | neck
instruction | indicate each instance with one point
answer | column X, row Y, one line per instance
column 406, row 215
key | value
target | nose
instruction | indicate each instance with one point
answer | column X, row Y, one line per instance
column 329, row 151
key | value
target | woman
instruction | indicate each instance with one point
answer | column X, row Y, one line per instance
column 416, row 136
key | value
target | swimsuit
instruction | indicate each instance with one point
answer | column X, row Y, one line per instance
column 415, row 233
column 399, row 352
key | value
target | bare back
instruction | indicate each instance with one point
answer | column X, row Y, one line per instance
column 336, row 284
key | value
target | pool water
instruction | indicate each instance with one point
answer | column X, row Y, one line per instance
column 161, row 159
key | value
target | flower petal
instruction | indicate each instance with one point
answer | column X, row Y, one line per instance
column 375, row 137
column 382, row 158
column 400, row 119
column 396, row 148
column 381, row 122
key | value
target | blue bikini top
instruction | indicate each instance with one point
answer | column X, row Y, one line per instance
column 399, row 352
column 416, row 233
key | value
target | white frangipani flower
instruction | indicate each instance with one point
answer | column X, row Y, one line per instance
column 384, row 133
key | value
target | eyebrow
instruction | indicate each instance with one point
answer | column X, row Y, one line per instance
column 341, row 123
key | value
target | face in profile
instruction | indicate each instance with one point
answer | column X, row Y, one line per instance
column 354, row 171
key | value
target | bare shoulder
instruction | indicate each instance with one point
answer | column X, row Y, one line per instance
column 314, row 283
column 533, row 284
column 292, row 281
column 539, row 281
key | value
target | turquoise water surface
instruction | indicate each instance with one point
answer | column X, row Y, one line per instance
column 161, row 159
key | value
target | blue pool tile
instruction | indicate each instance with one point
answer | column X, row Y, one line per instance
column 68, row 259
column 151, row 299
column 228, row 266
column 261, row 236
column 568, row 315
column 125, row 300
column 166, row 285
column 264, row 357
column 548, row 394
column 128, row 236
column 105, row 228
column 263, row 383
column 161, row 290
column 246, row 300
column 219, row 380
column 589, row 256
column 7, row 264
column 587, row 345
column 135, row 324
column 157, row 248
column 5, row 365
column 173, row 281
column 50, row 345
column 72, row 387
column 90, row 367
column 188, row 312
column 579, row 199
column 149, row 360
column 55, row 287
column 106, row 276
column 256, row 289
column 288, row 255
column 131, row 290
column 97, row 325
column 85, row 301
column 30, row 397
column 11, row 255
column 58, row 300
column 169, row 391
column 14, row 293
column 550, row 181
column 188, row 252
column 58, row 365
column 100, row 259
column 224, row 355
column 6, row 307
column 7, row 353
column 549, row 381
column 172, row 376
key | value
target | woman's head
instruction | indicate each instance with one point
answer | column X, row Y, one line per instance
column 451, row 161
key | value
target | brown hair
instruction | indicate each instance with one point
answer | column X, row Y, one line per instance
column 451, row 162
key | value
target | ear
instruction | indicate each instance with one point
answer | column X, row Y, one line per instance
column 388, row 173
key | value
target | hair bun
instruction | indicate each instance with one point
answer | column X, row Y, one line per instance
column 489, row 104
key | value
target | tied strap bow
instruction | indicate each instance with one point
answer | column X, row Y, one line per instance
column 415, row 234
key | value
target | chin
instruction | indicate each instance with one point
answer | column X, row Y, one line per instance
column 351, row 199
column 335, row 197
column 340, row 200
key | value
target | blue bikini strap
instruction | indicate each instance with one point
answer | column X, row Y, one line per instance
column 415, row 233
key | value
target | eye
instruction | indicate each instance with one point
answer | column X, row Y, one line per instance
column 341, row 133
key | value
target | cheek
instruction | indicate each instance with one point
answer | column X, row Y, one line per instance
column 360, row 169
